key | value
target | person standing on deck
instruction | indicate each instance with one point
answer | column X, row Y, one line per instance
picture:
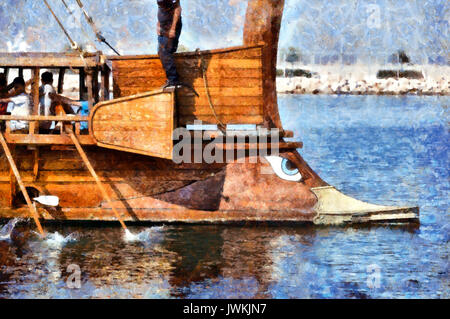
column 169, row 31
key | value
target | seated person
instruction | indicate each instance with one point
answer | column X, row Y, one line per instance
column 66, row 103
column 21, row 104
column 45, row 102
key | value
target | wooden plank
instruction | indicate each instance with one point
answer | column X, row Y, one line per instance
column 229, row 119
column 140, row 124
column 214, row 91
column 82, row 84
column 47, row 60
column 36, row 164
column 90, row 91
column 35, row 74
column 120, row 74
column 244, row 133
column 12, row 181
column 242, row 50
column 196, row 63
column 77, row 128
column 115, row 122
column 66, row 118
column 219, row 101
column 95, row 86
column 106, row 72
column 197, row 83
column 268, row 146
column 36, row 139
column 220, row 110
column 61, row 75
column 234, row 79
column 123, row 176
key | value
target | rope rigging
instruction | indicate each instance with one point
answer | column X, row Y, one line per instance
column 97, row 32
column 72, row 42
column 76, row 20
column 74, row 45
column 204, row 68
column 90, row 21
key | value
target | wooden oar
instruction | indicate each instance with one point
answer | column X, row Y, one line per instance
column 94, row 174
column 32, row 208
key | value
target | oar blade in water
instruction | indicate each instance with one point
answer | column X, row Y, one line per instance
column 47, row 200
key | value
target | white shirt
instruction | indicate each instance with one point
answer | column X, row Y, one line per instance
column 45, row 103
column 44, row 100
column 20, row 106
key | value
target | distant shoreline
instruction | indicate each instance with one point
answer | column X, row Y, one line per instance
column 298, row 86
column 364, row 80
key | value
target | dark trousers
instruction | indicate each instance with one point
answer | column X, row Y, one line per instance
column 166, row 49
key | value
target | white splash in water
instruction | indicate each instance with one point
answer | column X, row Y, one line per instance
column 149, row 235
column 5, row 231
column 57, row 241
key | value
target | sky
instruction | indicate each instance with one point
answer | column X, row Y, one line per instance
column 364, row 28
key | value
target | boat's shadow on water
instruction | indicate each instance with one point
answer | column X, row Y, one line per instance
column 223, row 261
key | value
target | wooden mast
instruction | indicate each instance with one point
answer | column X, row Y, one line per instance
column 262, row 25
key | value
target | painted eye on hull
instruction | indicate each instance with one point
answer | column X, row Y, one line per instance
column 284, row 168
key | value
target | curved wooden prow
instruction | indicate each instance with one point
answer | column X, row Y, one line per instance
column 262, row 26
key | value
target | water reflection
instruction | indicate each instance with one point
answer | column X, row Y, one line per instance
column 218, row 262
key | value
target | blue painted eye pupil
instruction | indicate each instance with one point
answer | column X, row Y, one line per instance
column 287, row 167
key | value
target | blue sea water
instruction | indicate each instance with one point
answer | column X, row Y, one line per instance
column 382, row 149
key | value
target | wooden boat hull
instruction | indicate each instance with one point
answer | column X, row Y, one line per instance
column 146, row 189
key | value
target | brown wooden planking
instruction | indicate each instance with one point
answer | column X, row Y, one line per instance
column 246, row 114
column 122, row 176
column 196, row 63
column 220, row 110
column 140, row 124
column 221, row 82
column 234, row 79
column 36, row 139
column 229, row 119
column 157, row 72
column 120, row 125
column 48, row 60
column 238, row 93
column 220, row 101
column 237, row 51
column 103, row 160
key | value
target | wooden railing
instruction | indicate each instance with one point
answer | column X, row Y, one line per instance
column 33, row 138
